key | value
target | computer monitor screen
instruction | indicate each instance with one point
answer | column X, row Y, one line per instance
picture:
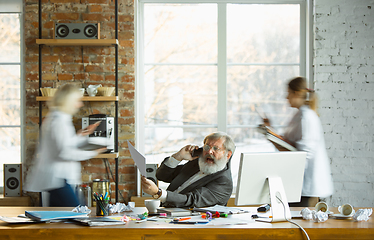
column 256, row 168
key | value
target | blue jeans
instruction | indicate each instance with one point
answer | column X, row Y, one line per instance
column 63, row 197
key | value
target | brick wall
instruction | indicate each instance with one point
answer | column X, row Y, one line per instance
column 344, row 80
column 84, row 66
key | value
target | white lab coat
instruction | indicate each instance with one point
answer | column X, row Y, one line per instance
column 58, row 155
column 305, row 132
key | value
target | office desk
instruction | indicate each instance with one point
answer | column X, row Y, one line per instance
column 332, row 229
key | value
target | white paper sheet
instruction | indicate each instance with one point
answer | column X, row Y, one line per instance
column 138, row 158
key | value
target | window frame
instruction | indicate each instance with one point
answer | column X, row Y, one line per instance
column 305, row 64
column 16, row 7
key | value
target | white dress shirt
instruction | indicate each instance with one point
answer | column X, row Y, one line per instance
column 305, row 131
column 58, row 155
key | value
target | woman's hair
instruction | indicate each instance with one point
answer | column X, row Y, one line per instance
column 64, row 97
column 299, row 86
column 228, row 142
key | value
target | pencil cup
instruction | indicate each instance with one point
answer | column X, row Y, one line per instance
column 102, row 208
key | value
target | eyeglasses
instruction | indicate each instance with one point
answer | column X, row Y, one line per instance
column 214, row 148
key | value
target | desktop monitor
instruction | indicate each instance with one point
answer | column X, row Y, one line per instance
column 271, row 178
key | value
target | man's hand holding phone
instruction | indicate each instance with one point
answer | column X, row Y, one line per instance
column 186, row 153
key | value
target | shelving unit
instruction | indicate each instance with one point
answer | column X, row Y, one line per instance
column 84, row 98
column 77, row 42
column 93, row 43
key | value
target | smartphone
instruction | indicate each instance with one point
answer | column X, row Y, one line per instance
column 197, row 152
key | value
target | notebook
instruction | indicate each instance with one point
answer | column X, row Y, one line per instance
column 97, row 221
column 175, row 212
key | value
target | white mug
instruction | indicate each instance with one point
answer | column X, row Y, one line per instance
column 152, row 205
column 91, row 92
column 346, row 209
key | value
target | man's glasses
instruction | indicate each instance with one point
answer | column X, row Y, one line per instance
column 214, row 148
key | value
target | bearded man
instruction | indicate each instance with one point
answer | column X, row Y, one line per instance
column 203, row 181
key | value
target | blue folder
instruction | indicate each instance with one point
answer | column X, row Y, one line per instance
column 53, row 215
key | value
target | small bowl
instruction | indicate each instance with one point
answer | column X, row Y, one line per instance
column 105, row 91
column 48, row 92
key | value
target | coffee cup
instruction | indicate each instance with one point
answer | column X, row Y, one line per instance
column 322, row 206
column 346, row 209
column 152, row 205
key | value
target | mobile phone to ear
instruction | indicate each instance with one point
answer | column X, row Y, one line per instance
column 197, row 152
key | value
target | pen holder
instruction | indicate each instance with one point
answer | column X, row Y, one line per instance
column 102, row 208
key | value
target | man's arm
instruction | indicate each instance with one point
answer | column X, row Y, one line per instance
column 218, row 191
column 168, row 170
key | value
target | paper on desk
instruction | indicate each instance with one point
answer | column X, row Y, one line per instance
column 221, row 209
column 138, row 158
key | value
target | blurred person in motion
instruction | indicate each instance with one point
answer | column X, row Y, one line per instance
column 305, row 133
column 57, row 167
column 205, row 180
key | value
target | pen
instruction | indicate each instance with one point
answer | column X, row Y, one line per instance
column 158, row 214
column 182, row 219
column 256, row 216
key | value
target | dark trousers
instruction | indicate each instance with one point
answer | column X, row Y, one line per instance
column 63, row 197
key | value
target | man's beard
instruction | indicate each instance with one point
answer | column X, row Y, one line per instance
column 208, row 167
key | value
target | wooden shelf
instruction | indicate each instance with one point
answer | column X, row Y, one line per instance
column 85, row 99
column 77, row 42
column 108, row 155
column 15, row 201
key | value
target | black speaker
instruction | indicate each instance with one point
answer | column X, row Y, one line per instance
column 77, row 31
column 12, row 180
column 151, row 175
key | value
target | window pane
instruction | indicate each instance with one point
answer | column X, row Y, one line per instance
column 261, row 88
column 162, row 142
column 10, row 95
column 181, row 95
column 263, row 33
column 180, row 33
column 10, row 147
column 10, row 38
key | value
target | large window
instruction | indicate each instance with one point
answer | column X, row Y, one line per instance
column 205, row 67
column 10, row 84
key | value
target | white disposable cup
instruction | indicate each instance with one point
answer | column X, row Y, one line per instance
column 152, row 205
column 322, row 206
column 346, row 209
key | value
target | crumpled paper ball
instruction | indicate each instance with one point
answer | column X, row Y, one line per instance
column 121, row 207
column 306, row 213
column 363, row 214
column 319, row 216
column 82, row 209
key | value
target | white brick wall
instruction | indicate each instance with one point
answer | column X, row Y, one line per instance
column 344, row 81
